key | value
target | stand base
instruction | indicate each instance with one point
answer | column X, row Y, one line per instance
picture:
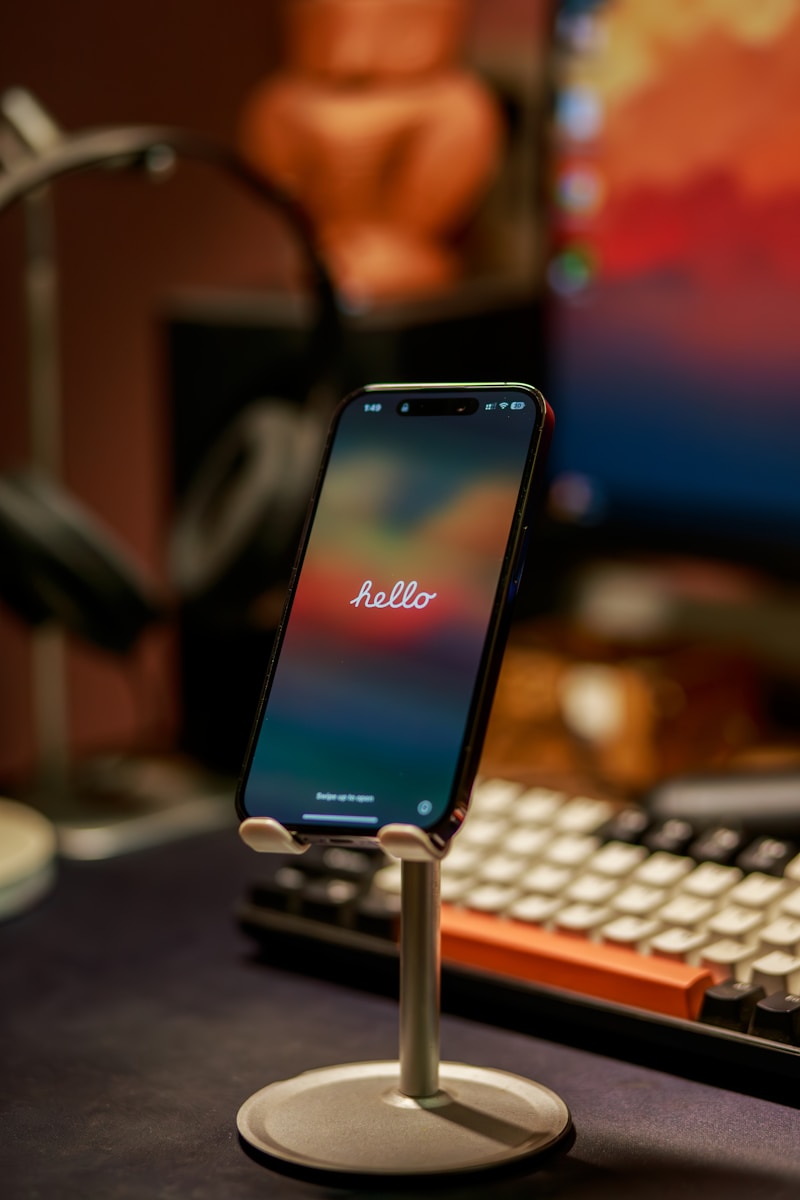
column 353, row 1119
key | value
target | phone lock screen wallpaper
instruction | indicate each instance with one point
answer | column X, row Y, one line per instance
column 371, row 692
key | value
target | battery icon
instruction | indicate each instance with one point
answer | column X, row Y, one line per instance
column 517, row 405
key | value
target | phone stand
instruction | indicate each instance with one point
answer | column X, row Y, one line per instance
column 417, row 1116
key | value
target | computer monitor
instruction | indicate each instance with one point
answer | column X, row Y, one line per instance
column 674, row 275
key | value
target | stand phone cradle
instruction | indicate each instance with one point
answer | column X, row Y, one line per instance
column 417, row 1116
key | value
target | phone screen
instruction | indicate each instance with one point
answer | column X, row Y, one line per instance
column 371, row 695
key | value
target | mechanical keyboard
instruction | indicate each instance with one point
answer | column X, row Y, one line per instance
column 573, row 918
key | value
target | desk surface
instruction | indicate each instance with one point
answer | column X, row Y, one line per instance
column 130, row 1006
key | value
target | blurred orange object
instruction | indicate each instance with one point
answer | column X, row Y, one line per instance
column 374, row 128
column 573, row 710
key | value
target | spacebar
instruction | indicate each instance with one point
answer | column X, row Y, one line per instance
column 506, row 947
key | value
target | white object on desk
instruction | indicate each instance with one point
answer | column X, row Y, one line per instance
column 27, row 857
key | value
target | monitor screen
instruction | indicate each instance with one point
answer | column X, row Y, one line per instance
column 674, row 274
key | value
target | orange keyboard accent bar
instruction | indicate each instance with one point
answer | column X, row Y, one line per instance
column 513, row 948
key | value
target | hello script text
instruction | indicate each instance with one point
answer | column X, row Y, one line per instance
column 402, row 595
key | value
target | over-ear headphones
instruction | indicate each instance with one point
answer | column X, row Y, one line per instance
column 236, row 529
column 56, row 560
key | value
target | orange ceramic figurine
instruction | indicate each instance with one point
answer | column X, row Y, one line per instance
column 379, row 134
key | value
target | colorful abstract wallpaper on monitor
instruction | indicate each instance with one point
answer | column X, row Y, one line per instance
column 675, row 272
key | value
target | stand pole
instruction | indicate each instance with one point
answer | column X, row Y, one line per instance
column 419, row 979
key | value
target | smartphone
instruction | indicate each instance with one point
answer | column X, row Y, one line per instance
column 384, row 665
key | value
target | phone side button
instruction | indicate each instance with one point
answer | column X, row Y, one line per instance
column 519, row 564
column 513, row 948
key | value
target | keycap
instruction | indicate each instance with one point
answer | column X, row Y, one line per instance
column 630, row 931
column 325, row 899
column 757, row 891
column 777, row 972
column 777, row 1017
column 616, row 859
column 511, row 948
column 454, row 887
column 663, row 870
column 494, row 796
column 673, row 835
column 680, row 944
column 790, row 904
column 378, row 913
column 731, row 1004
column 270, row 893
column 766, row 854
column 312, row 862
column 347, row 864
column 636, row 900
column 527, row 842
column 538, row 806
column 792, row 869
column 501, row 868
column 591, row 889
column 627, row 825
column 490, row 897
column 570, row 850
column 733, row 921
column 719, row 845
column 581, row 918
column 483, row 831
column 710, row 880
column 290, row 881
column 582, row 814
column 389, row 879
column 535, row 909
column 726, row 958
column 781, row 934
column 545, row 878
column 462, row 858
column 686, row 911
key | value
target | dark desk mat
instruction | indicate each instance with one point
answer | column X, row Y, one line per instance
column 134, row 1021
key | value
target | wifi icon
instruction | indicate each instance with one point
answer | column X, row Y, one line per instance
column 503, row 404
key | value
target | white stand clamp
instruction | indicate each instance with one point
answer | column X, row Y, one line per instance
column 415, row 1117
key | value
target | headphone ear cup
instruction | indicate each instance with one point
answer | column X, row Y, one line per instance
column 236, row 530
column 57, row 562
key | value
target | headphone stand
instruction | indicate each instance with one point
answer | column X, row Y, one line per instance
column 415, row 1117
column 33, row 133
